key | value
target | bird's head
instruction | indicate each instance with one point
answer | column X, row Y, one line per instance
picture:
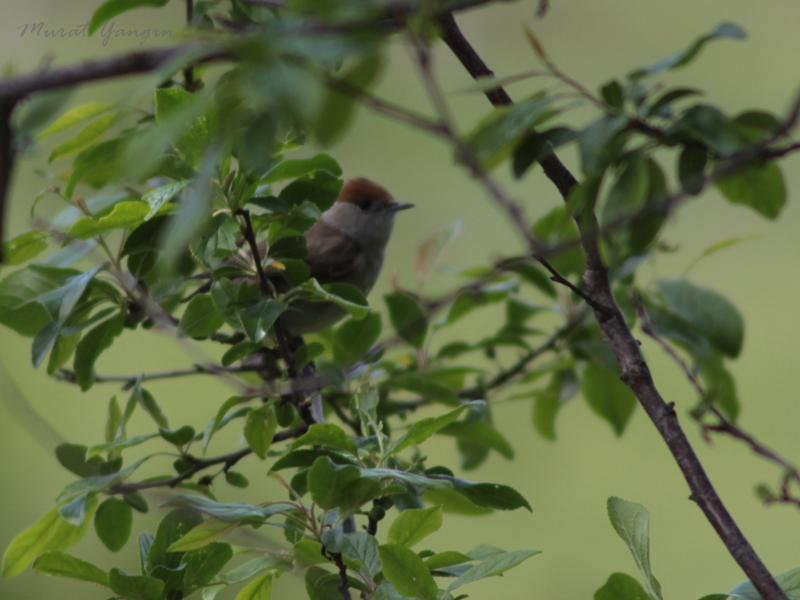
column 365, row 211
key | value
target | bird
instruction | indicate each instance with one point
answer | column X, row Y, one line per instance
column 346, row 245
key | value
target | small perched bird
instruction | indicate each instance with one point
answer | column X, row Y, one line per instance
column 347, row 245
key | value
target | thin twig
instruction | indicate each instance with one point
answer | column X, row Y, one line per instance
column 130, row 380
column 199, row 464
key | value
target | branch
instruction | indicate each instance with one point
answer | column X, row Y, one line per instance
column 635, row 372
column 553, row 168
column 14, row 88
column 199, row 464
column 6, row 162
column 265, row 287
column 130, row 380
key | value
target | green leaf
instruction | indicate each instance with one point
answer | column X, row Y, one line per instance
column 97, row 483
column 306, row 353
column 202, row 565
column 362, row 547
column 710, row 314
column 73, row 458
column 19, row 308
column 61, row 302
column 454, row 503
column 178, row 437
column 608, row 396
column 260, row 589
column 172, row 527
column 24, row 247
column 423, row 429
column 631, row 521
column 51, row 532
column 497, row 135
column 91, row 346
column 629, row 192
column 239, row 351
column 448, row 558
column 481, row 433
column 307, row 553
column 337, row 109
column 413, row 525
column 326, row 434
column 757, row 185
column 789, row 581
column 621, row 586
column 203, row 534
column 556, row 229
column 684, row 57
column 293, row 169
column 255, row 567
column 135, row 587
column 61, row 564
column 493, row 565
column 354, row 338
column 74, row 116
column 491, row 495
column 320, row 188
column 406, row 477
column 349, row 297
column 112, row 522
column 159, row 196
column 429, row 389
column 469, row 300
column 149, row 404
column 322, row 585
column 236, row 479
column 126, row 215
column 407, row 317
column 259, row 428
column 537, row 146
column 259, row 318
column 201, row 318
column 327, row 481
column 406, row 572
column 563, row 385
column 111, row 8
column 84, row 138
column 214, row 424
column 599, row 143
column 691, row 169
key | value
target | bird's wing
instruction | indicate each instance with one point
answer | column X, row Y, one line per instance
column 331, row 254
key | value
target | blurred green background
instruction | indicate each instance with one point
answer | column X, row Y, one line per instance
column 566, row 482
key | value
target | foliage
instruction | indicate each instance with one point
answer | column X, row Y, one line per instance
column 200, row 211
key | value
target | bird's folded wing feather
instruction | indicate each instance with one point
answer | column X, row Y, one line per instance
column 332, row 254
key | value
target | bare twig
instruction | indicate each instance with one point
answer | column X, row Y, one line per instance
column 130, row 380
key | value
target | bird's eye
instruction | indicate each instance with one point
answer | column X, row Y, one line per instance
column 364, row 204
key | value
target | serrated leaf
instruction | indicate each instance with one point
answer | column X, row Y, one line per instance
column 362, row 547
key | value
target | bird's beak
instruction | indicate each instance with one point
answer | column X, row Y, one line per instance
column 398, row 206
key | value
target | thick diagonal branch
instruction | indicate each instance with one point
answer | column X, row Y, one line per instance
column 635, row 372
